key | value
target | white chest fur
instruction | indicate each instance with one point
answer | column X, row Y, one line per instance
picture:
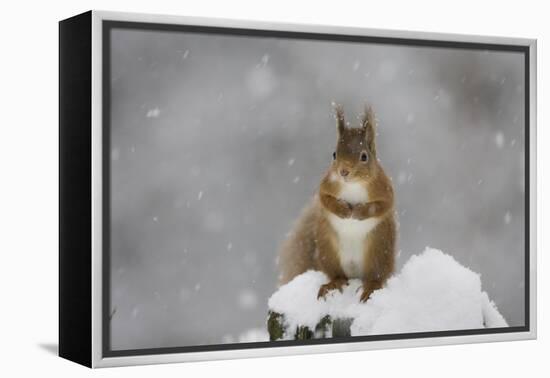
column 352, row 233
column 353, row 192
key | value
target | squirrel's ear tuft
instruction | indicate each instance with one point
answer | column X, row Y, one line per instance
column 368, row 124
column 339, row 115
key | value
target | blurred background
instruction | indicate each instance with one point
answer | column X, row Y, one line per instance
column 217, row 142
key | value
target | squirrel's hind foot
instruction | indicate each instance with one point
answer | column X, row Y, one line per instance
column 368, row 288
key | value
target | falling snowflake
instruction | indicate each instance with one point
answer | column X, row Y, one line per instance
column 115, row 154
column 507, row 218
column 499, row 139
column 195, row 171
column 247, row 299
column 153, row 113
column 402, row 177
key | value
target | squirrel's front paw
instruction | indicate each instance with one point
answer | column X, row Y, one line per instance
column 347, row 209
column 364, row 210
column 336, row 284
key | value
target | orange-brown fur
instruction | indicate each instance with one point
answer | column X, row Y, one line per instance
column 314, row 241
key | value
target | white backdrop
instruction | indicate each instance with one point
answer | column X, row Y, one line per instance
column 29, row 186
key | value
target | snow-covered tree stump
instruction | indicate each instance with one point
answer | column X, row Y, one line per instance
column 432, row 292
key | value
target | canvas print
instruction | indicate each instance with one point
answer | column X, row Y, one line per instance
column 271, row 188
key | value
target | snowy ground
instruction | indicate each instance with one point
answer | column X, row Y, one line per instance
column 252, row 335
column 433, row 292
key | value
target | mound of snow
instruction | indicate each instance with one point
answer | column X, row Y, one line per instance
column 433, row 292
column 252, row 335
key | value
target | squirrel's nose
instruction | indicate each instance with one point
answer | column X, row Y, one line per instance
column 344, row 172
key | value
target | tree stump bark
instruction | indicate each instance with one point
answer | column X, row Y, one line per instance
column 327, row 327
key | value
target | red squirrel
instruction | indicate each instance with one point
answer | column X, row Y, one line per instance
column 348, row 230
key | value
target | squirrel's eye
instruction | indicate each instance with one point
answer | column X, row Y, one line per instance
column 364, row 156
column 334, row 155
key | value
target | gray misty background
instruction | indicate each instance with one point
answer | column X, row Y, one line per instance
column 218, row 142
